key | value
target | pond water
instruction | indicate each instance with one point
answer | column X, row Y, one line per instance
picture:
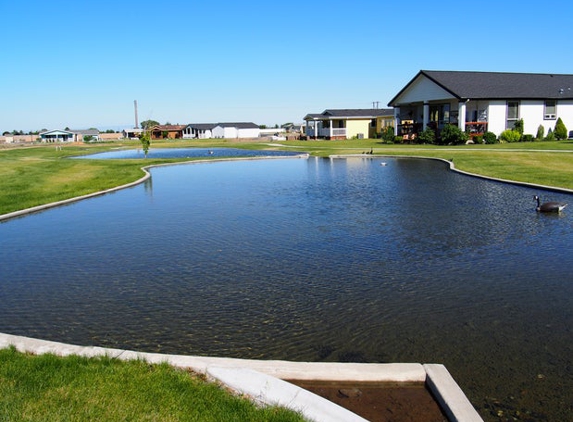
column 318, row 260
column 186, row 153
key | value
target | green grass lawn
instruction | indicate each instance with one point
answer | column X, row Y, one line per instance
column 38, row 175
column 50, row 388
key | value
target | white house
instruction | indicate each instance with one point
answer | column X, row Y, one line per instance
column 58, row 135
column 198, row 131
column 236, row 130
column 483, row 101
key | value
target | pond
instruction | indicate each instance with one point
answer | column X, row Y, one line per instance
column 316, row 260
column 186, row 153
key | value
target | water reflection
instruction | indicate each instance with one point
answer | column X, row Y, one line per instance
column 313, row 259
column 185, row 153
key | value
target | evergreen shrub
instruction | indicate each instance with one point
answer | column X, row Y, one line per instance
column 452, row 134
column 527, row 138
column 560, row 131
column 510, row 135
column 490, row 138
column 540, row 133
column 427, row 136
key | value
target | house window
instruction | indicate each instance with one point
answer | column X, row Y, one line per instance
column 440, row 114
column 512, row 114
column 373, row 123
column 550, row 111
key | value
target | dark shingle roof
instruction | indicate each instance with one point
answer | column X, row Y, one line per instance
column 366, row 113
column 314, row 116
column 239, row 125
column 87, row 132
column 499, row 85
column 360, row 112
column 202, row 126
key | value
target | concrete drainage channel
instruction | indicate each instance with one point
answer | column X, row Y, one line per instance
column 264, row 380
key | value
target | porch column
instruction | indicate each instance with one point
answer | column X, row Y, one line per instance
column 462, row 116
column 396, row 120
column 426, row 116
column 330, row 128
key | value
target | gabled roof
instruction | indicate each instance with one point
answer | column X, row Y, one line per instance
column 359, row 112
column 57, row 131
column 87, row 132
column 497, row 85
column 314, row 116
column 351, row 113
column 202, row 126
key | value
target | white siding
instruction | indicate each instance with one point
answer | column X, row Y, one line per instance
column 565, row 111
column 225, row 132
column 249, row 133
column 218, row 132
column 423, row 90
column 231, row 132
column 532, row 114
column 496, row 117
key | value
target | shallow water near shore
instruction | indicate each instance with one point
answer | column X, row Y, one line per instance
column 318, row 259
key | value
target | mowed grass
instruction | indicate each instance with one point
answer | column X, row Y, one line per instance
column 51, row 388
column 43, row 174
column 35, row 176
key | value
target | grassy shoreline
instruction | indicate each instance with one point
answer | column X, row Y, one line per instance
column 37, row 175
column 73, row 388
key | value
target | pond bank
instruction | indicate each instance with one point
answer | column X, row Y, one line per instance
column 263, row 381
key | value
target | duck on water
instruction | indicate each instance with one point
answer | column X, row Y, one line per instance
column 551, row 206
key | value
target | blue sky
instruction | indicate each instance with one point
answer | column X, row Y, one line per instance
column 82, row 64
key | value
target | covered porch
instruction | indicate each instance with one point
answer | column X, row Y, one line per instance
column 413, row 118
column 319, row 126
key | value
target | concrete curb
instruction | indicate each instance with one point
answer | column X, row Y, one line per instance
column 262, row 380
column 267, row 390
column 450, row 396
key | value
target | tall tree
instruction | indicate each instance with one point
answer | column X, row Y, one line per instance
column 146, row 124
column 145, row 140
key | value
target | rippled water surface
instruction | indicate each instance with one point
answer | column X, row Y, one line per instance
column 185, row 153
column 335, row 260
